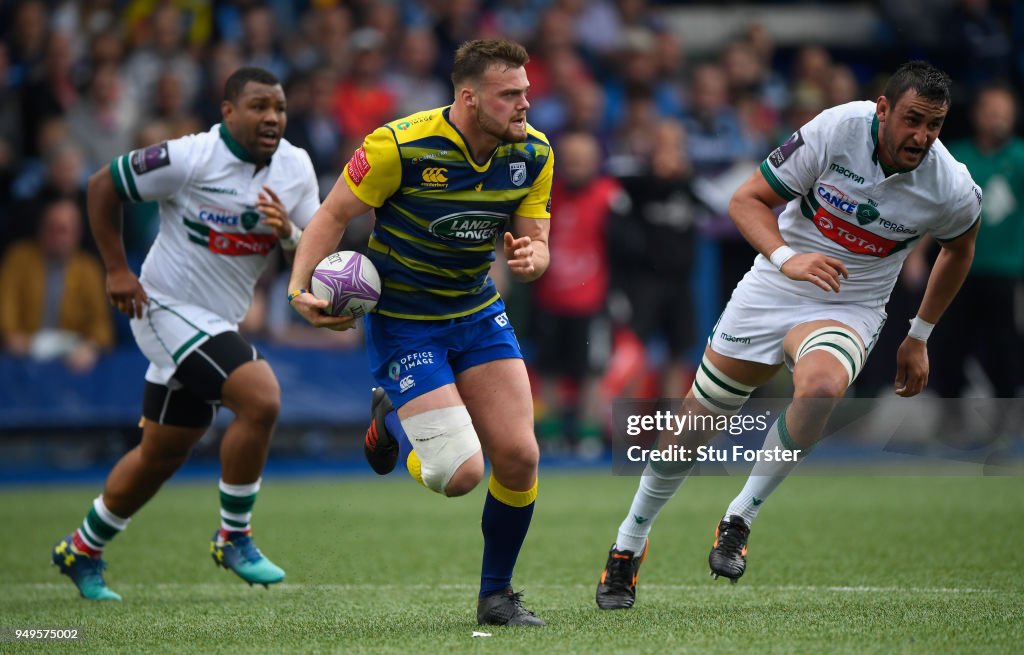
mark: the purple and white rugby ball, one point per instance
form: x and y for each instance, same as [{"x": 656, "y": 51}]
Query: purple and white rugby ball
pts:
[{"x": 347, "y": 280}]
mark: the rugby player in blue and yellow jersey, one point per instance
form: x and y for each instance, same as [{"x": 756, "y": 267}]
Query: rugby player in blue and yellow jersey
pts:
[{"x": 446, "y": 185}]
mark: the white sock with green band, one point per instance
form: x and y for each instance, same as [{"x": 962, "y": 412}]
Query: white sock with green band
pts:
[
  {"x": 657, "y": 486},
  {"x": 98, "y": 528},
  {"x": 236, "y": 503},
  {"x": 765, "y": 477}
]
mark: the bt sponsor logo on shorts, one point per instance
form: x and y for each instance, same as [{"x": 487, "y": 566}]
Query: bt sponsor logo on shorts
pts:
[
  {"x": 501, "y": 319},
  {"x": 728, "y": 337},
  {"x": 846, "y": 172}
]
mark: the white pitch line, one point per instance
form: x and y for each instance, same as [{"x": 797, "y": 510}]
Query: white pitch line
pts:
[{"x": 291, "y": 586}]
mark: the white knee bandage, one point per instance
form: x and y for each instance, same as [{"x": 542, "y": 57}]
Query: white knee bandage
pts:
[
  {"x": 443, "y": 439},
  {"x": 718, "y": 392},
  {"x": 840, "y": 342}
]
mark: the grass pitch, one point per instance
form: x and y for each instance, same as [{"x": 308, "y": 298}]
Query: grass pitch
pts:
[{"x": 868, "y": 564}]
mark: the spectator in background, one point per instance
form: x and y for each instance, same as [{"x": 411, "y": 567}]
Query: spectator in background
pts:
[
  {"x": 312, "y": 125},
  {"x": 720, "y": 152},
  {"x": 570, "y": 325},
  {"x": 52, "y": 299},
  {"x": 411, "y": 80},
  {"x": 330, "y": 30},
  {"x": 811, "y": 69},
  {"x": 160, "y": 40},
  {"x": 28, "y": 38},
  {"x": 983, "y": 51},
  {"x": 632, "y": 141},
  {"x": 172, "y": 107},
  {"x": 749, "y": 90},
  {"x": 362, "y": 100},
  {"x": 104, "y": 124},
  {"x": 567, "y": 77},
  {"x": 260, "y": 45},
  {"x": 981, "y": 320},
  {"x": 223, "y": 60},
  {"x": 50, "y": 89},
  {"x": 638, "y": 66},
  {"x": 842, "y": 87},
  {"x": 64, "y": 177},
  {"x": 11, "y": 135},
  {"x": 653, "y": 252}
]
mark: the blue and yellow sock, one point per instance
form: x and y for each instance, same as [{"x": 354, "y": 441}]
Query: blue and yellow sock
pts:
[
  {"x": 505, "y": 522},
  {"x": 394, "y": 427}
]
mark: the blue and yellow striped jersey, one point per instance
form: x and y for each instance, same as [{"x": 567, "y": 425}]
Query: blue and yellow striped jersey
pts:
[{"x": 439, "y": 212}]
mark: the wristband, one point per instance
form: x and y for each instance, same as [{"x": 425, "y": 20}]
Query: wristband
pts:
[
  {"x": 292, "y": 295},
  {"x": 781, "y": 255},
  {"x": 291, "y": 242},
  {"x": 920, "y": 329}
]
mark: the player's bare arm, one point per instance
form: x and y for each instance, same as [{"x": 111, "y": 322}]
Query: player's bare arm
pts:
[
  {"x": 104, "y": 208},
  {"x": 321, "y": 238},
  {"x": 948, "y": 274},
  {"x": 751, "y": 210},
  {"x": 527, "y": 251}
]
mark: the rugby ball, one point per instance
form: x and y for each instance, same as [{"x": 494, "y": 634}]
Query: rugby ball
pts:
[{"x": 348, "y": 281}]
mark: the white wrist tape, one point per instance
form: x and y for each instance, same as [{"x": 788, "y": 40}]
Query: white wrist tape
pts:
[
  {"x": 920, "y": 329},
  {"x": 292, "y": 241},
  {"x": 781, "y": 255}
]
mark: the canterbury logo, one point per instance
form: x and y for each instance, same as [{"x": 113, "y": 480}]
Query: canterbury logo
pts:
[{"x": 435, "y": 175}]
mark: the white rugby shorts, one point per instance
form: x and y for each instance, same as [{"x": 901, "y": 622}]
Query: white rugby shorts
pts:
[
  {"x": 759, "y": 315},
  {"x": 170, "y": 330}
]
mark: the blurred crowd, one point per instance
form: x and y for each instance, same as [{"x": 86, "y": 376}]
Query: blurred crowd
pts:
[{"x": 651, "y": 141}]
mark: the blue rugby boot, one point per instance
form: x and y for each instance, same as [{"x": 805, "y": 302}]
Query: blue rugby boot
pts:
[
  {"x": 86, "y": 572},
  {"x": 239, "y": 554}
]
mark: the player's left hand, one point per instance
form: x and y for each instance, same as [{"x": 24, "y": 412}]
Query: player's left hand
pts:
[
  {"x": 911, "y": 367},
  {"x": 519, "y": 253},
  {"x": 274, "y": 213}
]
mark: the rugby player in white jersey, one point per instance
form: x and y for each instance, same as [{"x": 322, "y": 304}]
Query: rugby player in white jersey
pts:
[
  {"x": 862, "y": 182},
  {"x": 228, "y": 198}
]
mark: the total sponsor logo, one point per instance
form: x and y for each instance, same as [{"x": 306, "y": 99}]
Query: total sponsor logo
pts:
[
  {"x": 226, "y": 243},
  {"x": 852, "y": 237}
]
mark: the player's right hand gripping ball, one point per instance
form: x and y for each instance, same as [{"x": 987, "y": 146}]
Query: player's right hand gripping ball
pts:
[{"x": 348, "y": 281}]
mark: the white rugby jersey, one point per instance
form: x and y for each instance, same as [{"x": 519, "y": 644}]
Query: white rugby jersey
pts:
[
  {"x": 212, "y": 245},
  {"x": 841, "y": 203}
]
